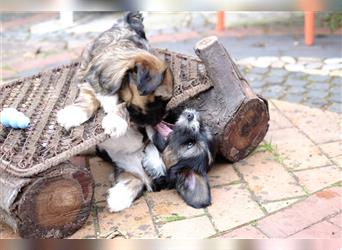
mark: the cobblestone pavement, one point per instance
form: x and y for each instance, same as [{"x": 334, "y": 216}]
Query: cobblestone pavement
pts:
[
  {"x": 254, "y": 198},
  {"x": 294, "y": 175}
]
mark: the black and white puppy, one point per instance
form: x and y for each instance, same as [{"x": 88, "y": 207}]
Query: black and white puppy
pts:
[{"x": 180, "y": 157}]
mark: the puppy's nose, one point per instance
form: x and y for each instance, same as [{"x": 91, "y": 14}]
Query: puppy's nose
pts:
[{"x": 190, "y": 116}]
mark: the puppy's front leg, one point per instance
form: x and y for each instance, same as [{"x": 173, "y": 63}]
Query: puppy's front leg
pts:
[
  {"x": 115, "y": 123},
  {"x": 81, "y": 110},
  {"x": 127, "y": 188}
]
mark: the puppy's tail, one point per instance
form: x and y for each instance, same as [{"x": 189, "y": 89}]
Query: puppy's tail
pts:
[{"x": 135, "y": 21}]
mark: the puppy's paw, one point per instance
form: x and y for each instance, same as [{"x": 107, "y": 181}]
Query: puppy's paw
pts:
[
  {"x": 114, "y": 125},
  {"x": 71, "y": 116},
  {"x": 152, "y": 162},
  {"x": 119, "y": 197}
]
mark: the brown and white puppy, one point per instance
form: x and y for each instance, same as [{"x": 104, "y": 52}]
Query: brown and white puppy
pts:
[
  {"x": 120, "y": 73},
  {"x": 119, "y": 66},
  {"x": 187, "y": 152}
]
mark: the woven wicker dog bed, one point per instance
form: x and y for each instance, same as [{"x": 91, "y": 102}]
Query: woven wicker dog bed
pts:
[{"x": 25, "y": 153}]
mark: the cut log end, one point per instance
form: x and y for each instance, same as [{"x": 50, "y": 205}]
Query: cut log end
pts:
[
  {"x": 205, "y": 42},
  {"x": 246, "y": 131},
  {"x": 56, "y": 205}
]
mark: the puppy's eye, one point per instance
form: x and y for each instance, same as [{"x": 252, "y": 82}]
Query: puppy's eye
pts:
[{"x": 190, "y": 144}]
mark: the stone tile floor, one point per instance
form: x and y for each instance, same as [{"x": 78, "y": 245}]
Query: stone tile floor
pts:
[{"x": 290, "y": 187}]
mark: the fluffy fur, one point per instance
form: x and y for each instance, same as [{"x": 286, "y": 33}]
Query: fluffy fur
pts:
[
  {"x": 120, "y": 73},
  {"x": 187, "y": 154},
  {"x": 120, "y": 64}
]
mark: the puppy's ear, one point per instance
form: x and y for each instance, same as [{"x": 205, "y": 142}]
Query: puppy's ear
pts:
[
  {"x": 193, "y": 188},
  {"x": 165, "y": 89}
]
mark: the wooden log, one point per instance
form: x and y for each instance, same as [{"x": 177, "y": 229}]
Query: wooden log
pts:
[
  {"x": 54, "y": 204},
  {"x": 238, "y": 117}
]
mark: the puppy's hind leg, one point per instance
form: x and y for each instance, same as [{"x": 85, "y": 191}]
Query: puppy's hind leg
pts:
[
  {"x": 127, "y": 188},
  {"x": 81, "y": 110}
]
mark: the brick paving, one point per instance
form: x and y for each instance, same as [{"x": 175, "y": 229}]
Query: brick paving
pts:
[{"x": 290, "y": 187}]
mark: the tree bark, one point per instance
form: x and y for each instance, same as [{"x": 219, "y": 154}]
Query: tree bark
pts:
[
  {"x": 53, "y": 204},
  {"x": 238, "y": 117}
]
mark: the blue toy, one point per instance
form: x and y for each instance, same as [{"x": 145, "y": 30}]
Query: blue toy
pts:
[{"x": 12, "y": 118}]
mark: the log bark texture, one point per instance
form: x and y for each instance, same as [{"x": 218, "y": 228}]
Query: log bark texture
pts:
[
  {"x": 238, "y": 117},
  {"x": 53, "y": 204}
]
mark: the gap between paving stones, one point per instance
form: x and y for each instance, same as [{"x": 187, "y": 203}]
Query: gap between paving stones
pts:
[
  {"x": 303, "y": 133},
  {"x": 151, "y": 215},
  {"x": 252, "y": 194},
  {"x": 277, "y": 211},
  {"x": 323, "y": 219}
]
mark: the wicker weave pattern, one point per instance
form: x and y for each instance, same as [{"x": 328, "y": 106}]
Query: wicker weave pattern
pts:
[{"x": 45, "y": 144}]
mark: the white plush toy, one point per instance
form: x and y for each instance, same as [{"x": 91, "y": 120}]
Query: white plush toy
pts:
[{"x": 12, "y": 118}]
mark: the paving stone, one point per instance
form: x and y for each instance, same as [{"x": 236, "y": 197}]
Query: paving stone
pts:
[
  {"x": 268, "y": 179},
  {"x": 293, "y": 98},
  {"x": 316, "y": 65},
  {"x": 195, "y": 228},
  {"x": 222, "y": 174},
  {"x": 337, "y": 73},
  {"x": 259, "y": 71},
  {"x": 332, "y": 149},
  {"x": 318, "y": 78},
  {"x": 232, "y": 206},
  {"x": 296, "y": 90},
  {"x": 318, "y": 178},
  {"x": 246, "y": 61},
  {"x": 288, "y": 59},
  {"x": 294, "y": 67},
  {"x": 274, "y": 91},
  {"x": 278, "y": 64},
  {"x": 333, "y": 60},
  {"x": 337, "y": 81},
  {"x": 167, "y": 204},
  {"x": 315, "y": 102},
  {"x": 321, "y": 126},
  {"x": 246, "y": 232},
  {"x": 317, "y": 93},
  {"x": 331, "y": 67},
  {"x": 273, "y": 79},
  {"x": 337, "y": 220},
  {"x": 254, "y": 77},
  {"x": 295, "y": 82},
  {"x": 337, "y": 161},
  {"x": 335, "y": 107},
  {"x": 87, "y": 231},
  {"x": 336, "y": 89},
  {"x": 296, "y": 151},
  {"x": 101, "y": 171},
  {"x": 256, "y": 84},
  {"x": 323, "y": 87},
  {"x": 318, "y": 231},
  {"x": 134, "y": 222},
  {"x": 302, "y": 214},
  {"x": 7, "y": 233},
  {"x": 297, "y": 76},
  {"x": 306, "y": 60},
  {"x": 278, "y": 72},
  {"x": 336, "y": 97},
  {"x": 277, "y": 205},
  {"x": 257, "y": 91},
  {"x": 261, "y": 64},
  {"x": 277, "y": 120}
]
